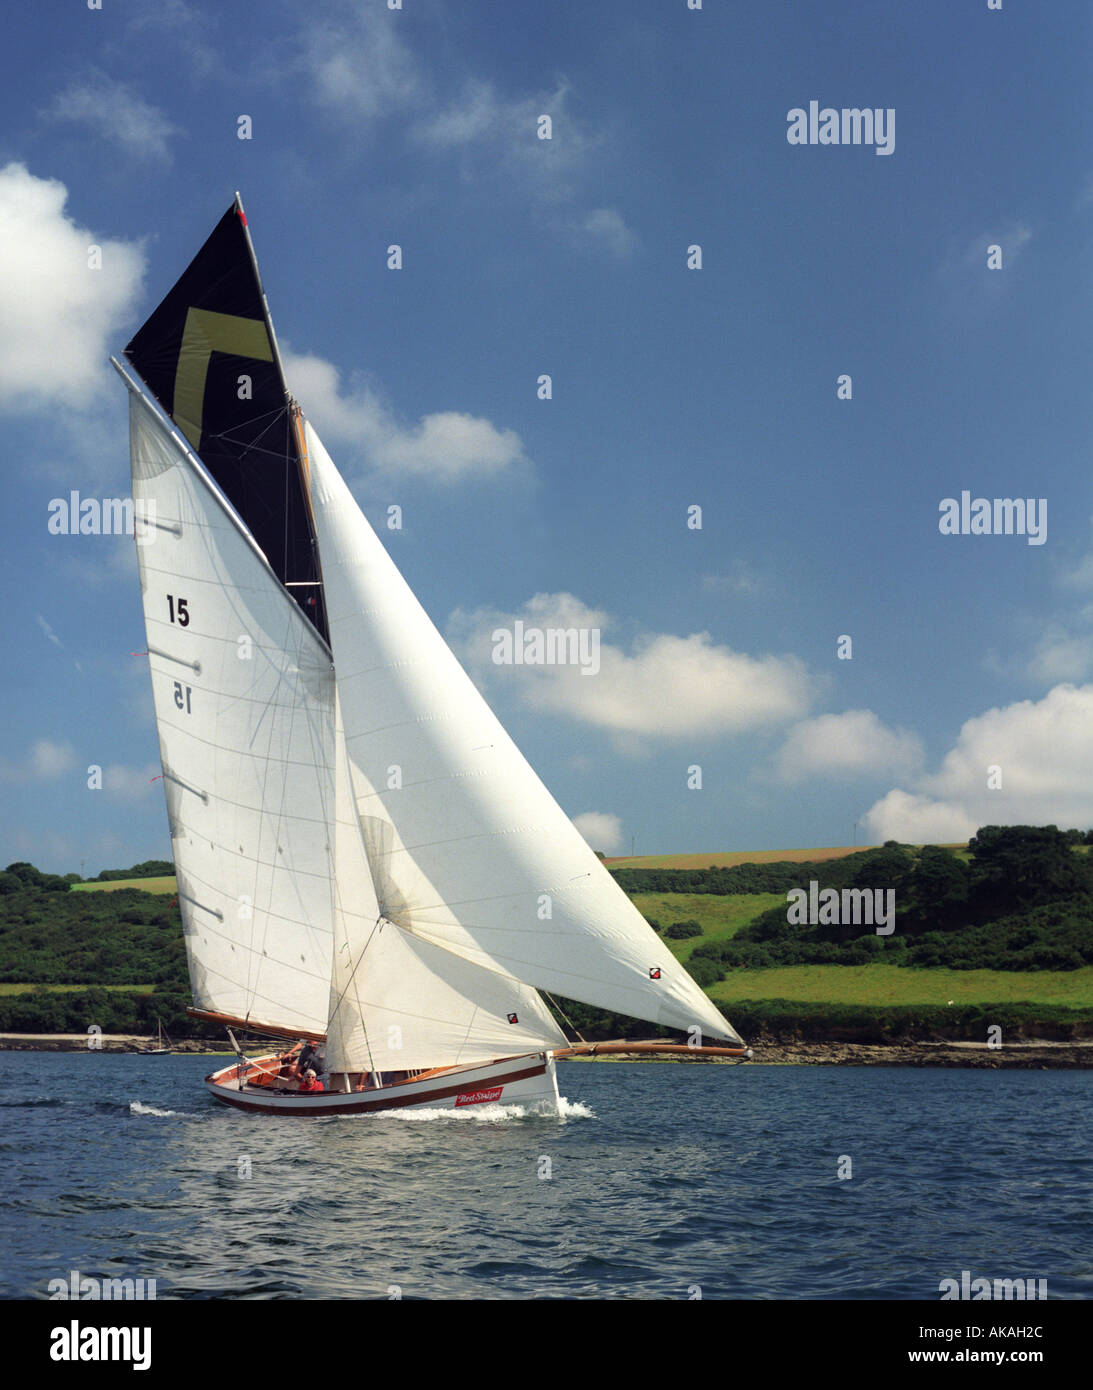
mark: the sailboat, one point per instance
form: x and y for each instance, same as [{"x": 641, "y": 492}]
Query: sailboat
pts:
[
  {"x": 163, "y": 1043},
  {"x": 369, "y": 871}
]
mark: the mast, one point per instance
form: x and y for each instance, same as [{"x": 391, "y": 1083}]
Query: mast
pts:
[{"x": 265, "y": 301}]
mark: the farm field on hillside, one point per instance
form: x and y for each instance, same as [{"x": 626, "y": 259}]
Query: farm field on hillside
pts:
[
  {"x": 719, "y": 917},
  {"x": 144, "y": 885},
  {"x": 887, "y": 984}
]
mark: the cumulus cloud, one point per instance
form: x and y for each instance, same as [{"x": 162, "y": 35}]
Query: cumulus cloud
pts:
[
  {"x": 59, "y": 315},
  {"x": 447, "y": 446},
  {"x": 115, "y": 113},
  {"x": 665, "y": 686},
  {"x": 1043, "y": 751},
  {"x": 918, "y": 820},
  {"x": 602, "y": 830},
  {"x": 853, "y": 744}
]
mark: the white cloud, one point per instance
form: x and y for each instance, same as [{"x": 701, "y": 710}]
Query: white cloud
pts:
[
  {"x": 741, "y": 580},
  {"x": 58, "y": 315},
  {"x": 497, "y": 134},
  {"x": 113, "y": 112},
  {"x": 1044, "y": 750},
  {"x": 1080, "y": 575},
  {"x": 49, "y": 631},
  {"x": 447, "y": 446},
  {"x": 918, "y": 820},
  {"x": 1060, "y": 656},
  {"x": 497, "y": 138},
  {"x": 358, "y": 64},
  {"x": 1013, "y": 237},
  {"x": 606, "y": 227},
  {"x": 853, "y": 744},
  {"x": 128, "y": 783},
  {"x": 44, "y": 762},
  {"x": 188, "y": 32},
  {"x": 665, "y": 687},
  {"x": 602, "y": 830}
]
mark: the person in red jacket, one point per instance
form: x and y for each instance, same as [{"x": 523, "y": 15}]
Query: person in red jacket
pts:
[{"x": 310, "y": 1083}]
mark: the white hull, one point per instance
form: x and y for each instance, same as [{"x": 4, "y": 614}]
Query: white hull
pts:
[{"x": 529, "y": 1081}]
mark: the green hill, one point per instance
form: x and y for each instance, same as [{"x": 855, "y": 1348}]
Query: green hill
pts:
[{"x": 1001, "y": 927}]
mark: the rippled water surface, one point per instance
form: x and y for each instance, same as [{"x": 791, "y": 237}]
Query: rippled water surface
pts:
[{"x": 661, "y": 1178}]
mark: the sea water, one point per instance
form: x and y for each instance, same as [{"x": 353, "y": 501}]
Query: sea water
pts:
[{"x": 657, "y": 1182}]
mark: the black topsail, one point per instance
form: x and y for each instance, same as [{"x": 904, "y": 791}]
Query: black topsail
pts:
[{"x": 208, "y": 356}]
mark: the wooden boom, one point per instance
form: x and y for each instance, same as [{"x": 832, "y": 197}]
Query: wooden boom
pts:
[{"x": 603, "y": 1049}]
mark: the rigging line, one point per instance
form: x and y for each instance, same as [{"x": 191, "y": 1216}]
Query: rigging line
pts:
[
  {"x": 474, "y": 1014},
  {"x": 254, "y": 446},
  {"x": 356, "y": 967},
  {"x": 563, "y": 1013},
  {"x": 271, "y": 416}
]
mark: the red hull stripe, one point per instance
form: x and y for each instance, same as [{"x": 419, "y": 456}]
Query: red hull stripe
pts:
[{"x": 362, "y": 1106}]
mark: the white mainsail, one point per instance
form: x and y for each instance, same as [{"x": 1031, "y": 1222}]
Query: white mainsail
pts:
[
  {"x": 244, "y": 699},
  {"x": 468, "y": 850}
]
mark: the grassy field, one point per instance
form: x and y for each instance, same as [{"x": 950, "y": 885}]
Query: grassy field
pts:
[
  {"x": 728, "y": 859},
  {"x": 718, "y": 917},
  {"x": 886, "y": 984},
  {"x": 146, "y": 885},
  {"x": 69, "y": 989}
]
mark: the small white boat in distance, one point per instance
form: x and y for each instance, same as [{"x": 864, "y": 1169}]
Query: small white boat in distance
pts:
[
  {"x": 364, "y": 858},
  {"x": 160, "y": 1049}
]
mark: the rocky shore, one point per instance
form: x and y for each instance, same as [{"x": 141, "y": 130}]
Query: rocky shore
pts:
[
  {"x": 99, "y": 1042},
  {"x": 1031, "y": 1054}
]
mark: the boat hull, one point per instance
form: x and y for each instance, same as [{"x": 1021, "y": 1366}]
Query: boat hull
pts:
[{"x": 528, "y": 1081}]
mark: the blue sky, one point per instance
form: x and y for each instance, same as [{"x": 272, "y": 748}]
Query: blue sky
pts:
[{"x": 671, "y": 387}]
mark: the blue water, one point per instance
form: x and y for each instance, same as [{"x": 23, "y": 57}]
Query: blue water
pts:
[{"x": 663, "y": 1179}]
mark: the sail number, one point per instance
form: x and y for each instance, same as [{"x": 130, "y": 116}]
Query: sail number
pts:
[
  {"x": 179, "y": 612},
  {"x": 182, "y": 696}
]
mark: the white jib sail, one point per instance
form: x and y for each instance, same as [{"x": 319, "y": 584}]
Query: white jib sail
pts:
[
  {"x": 244, "y": 699},
  {"x": 399, "y": 1003},
  {"x": 467, "y": 848}
]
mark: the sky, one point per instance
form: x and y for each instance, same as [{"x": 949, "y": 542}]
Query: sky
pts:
[{"x": 873, "y": 328}]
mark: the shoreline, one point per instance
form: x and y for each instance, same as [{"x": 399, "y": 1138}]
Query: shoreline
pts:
[{"x": 1036, "y": 1054}]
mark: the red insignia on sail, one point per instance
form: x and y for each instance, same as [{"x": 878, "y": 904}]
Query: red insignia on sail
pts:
[
  {"x": 513, "y": 1019},
  {"x": 654, "y": 972}
]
